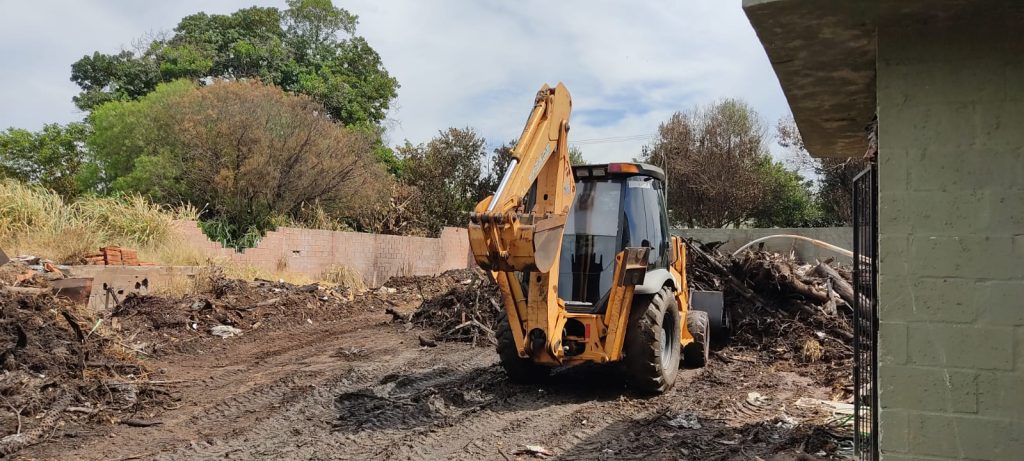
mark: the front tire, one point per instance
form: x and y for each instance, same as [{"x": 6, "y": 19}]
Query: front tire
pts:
[
  {"x": 651, "y": 346},
  {"x": 519, "y": 370}
]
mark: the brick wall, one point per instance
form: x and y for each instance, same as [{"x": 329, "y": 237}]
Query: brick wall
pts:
[
  {"x": 376, "y": 257},
  {"x": 951, "y": 221}
]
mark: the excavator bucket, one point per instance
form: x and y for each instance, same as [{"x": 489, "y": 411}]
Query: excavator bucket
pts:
[{"x": 547, "y": 242}]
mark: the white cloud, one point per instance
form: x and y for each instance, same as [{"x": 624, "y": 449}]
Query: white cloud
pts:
[{"x": 629, "y": 65}]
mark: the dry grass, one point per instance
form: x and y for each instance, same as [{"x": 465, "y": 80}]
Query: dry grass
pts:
[
  {"x": 343, "y": 276},
  {"x": 812, "y": 351},
  {"x": 246, "y": 272},
  {"x": 202, "y": 281},
  {"x": 37, "y": 221},
  {"x": 175, "y": 251}
]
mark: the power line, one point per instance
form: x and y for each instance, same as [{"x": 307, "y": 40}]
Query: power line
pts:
[{"x": 613, "y": 139}]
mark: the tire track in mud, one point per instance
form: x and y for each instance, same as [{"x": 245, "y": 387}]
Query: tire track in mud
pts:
[
  {"x": 282, "y": 369},
  {"x": 548, "y": 414},
  {"x": 341, "y": 392},
  {"x": 304, "y": 428}
]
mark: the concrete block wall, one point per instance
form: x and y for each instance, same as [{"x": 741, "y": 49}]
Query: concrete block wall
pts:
[
  {"x": 133, "y": 279},
  {"x": 804, "y": 251},
  {"x": 951, "y": 240},
  {"x": 311, "y": 252}
]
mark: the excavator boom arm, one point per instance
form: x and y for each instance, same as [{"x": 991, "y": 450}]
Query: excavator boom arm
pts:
[{"x": 504, "y": 234}]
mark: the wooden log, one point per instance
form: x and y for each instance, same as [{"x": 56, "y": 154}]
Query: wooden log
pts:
[
  {"x": 839, "y": 284},
  {"x": 732, "y": 281},
  {"x": 28, "y": 291},
  {"x": 795, "y": 285}
]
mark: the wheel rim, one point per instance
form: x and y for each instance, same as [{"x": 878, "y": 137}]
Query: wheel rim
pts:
[{"x": 670, "y": 341}]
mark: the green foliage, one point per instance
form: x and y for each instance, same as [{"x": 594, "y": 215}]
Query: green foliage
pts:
[
  {"x": 500, "y": 158},
  {"x": 54, "y": 157},
  {"x": 134, "y": 145},
  {"x": 834, "y": 176},
  {"x": 384, "y": 154},
  {"x": 720, "y": 172},
  {"x": 252, "y": 154},
  {"x": 113, "y": 77},
  {"x": 233, "y": 235},
  {"x": 447, "y": 173},
  {"x": 297, "y": 49},
  {"x": 835, "y": 189},
  {"x": 787, "y": 200},
  {"x": 576, "y": 156}
]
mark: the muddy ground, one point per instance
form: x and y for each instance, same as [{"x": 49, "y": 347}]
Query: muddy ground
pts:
[{"x": 327, "y": 374}]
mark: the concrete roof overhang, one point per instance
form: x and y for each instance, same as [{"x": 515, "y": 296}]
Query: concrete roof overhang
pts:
[
  {"x": 824, "y": 53},
  {"x": 824, "y": 56}
]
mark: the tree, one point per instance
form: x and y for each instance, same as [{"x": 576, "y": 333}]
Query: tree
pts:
[
  {"x": 576, "y": 156},
  {"x": 787, "y": 199},
  {"x": 447, "y": 173},
  {"x": 54, "y": 157},
  {"x": 710, "y": 155},
  {"x": 834, "y": 184},
  {"x": 297, "y": 49},
  {"x": 495, "y": 169},
  {"x": 248, "y": 153},
  {"x": 500, "y": 158},
  {"x": 134, "y": 141},
  {"x": 720, "y": 172}
]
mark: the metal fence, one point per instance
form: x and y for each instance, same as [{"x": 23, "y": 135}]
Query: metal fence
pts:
[{"x": 865, "y": 314}]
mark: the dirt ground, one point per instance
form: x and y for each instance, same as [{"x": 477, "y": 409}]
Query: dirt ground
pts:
[{"x": 342, "y": 379}]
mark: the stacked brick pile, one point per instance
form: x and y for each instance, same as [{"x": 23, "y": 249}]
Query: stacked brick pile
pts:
[{"x": 115, "y": 256}]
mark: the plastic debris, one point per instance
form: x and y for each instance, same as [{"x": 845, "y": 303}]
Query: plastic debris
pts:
[{"x": 225, "y": 331}]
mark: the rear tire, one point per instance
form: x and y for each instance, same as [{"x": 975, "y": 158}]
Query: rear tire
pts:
[
  {"x": 651, "y": 346},
  {"x": 519, "y": 370},
  {"x": 695, "y": 354}
]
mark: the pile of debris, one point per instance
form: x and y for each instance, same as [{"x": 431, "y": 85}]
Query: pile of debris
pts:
[
  {"x": 30, "y": 275},
  {"x": 224, "y": 307},
  {"x": 458, "y": 305},
  {"x": 785, "y": 310},
  {"x": 115, "y": 256},
  {"x": 60, "y": 365}
]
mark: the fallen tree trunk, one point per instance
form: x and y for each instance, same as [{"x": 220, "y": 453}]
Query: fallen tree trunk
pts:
[
  {"x": 839, "y": 284},
  {"x": 735, "y": 283},
  {"x": 786, "y": 275},
  {"x": 27, "y": 291}
]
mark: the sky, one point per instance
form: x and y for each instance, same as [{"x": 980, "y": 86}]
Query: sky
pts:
[{"x": 476, "y": 63}]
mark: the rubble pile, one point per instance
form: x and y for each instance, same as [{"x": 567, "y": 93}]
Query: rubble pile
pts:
[
  {"x": 225, "y": 307},
  {"x": 59, "y": 365},
  {"x": 785, "y": 310},
  {"x": 466, "y": 311}
]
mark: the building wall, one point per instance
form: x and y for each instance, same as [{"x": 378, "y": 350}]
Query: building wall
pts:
[
  {"x": 376, "y": 257},
  {"x": 804, "y": 251},
  {"x": 951, "y": 223}
]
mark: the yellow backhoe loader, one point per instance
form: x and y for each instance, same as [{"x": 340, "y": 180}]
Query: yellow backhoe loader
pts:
[{"x": 585, "y": 262}]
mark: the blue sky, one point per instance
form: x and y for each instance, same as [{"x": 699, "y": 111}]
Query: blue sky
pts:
[{"x": 628, "y": 65}]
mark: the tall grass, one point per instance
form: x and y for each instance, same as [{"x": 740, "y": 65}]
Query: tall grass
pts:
[{"x": 37, "y": 221}]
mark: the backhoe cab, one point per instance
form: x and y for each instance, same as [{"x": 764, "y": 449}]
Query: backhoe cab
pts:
[{"x": 585, "y": 262}]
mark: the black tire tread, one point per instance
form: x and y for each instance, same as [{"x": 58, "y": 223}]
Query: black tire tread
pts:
[
  {"x": 642, "y": 348},
  {"x": 695, "y": 354},
  {"x": 519, "y": 370}
]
